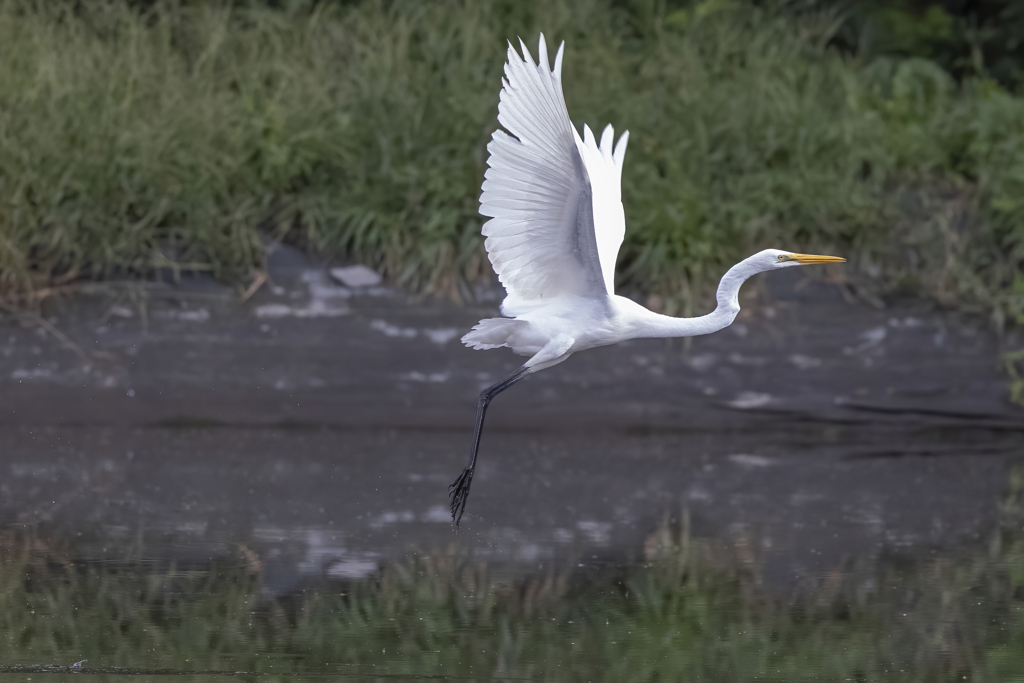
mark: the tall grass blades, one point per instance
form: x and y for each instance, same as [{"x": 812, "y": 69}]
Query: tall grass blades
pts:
[
  {"x": 697, "y": 609},
  {"x": 185, "y": 136}
]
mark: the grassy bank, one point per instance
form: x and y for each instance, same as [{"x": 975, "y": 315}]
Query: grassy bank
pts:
[
  {"x": 698, "y": 610},
  {"x": 186, "y": 137}
]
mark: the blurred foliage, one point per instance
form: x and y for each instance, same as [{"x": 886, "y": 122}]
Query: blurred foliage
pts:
[
  {"x": 689, "y": 609},
  {"x": 184, "y": 135},
  {"x": 980, "y": 38},
  {"x": 1014, "y": 363}
]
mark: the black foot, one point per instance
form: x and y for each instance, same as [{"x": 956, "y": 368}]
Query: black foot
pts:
[{"x": 459, "y": 492}]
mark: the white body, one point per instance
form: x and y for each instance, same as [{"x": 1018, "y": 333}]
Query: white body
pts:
[
  {"x": 556, "y": 224},
  {"x": 555, "y": 227}
]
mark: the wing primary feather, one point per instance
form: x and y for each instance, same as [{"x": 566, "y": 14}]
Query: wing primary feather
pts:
[
  {"x": 527, "y": 57},
  {"x": 558, "y": 61},
  {"x": 620, "y": 150},
  {"x": 607, "y": 138},
  {"x": 588, "y": 136},
  {"x": 542, "y": 54}
]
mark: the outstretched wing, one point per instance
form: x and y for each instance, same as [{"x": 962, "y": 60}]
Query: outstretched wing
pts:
[{"x": 553, "y": 199}]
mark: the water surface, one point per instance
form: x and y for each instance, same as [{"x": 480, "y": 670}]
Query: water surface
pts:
[{"x": 810, "y": 553}]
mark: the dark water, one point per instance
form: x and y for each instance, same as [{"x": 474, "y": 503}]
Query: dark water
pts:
[
  {"x": 822, "y": 492},
  {"x": 810, "y": 553}
]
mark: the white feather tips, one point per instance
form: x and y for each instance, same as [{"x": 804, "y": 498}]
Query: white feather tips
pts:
[
  {"x": 606, "y": 152},
  {"x": 527, "y": 57},
  {"x": 606, "y": 142},
  {"x": 542, "y": 54},
  {"x": 543, "y": 65},
  {"x": 620, "y": 150}
]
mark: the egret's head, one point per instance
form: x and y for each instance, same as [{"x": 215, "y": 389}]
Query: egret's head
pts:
[{"x": 770, "y": 259}]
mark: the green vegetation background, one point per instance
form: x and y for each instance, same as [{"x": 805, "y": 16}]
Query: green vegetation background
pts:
[{"x": 185, "y": 135}]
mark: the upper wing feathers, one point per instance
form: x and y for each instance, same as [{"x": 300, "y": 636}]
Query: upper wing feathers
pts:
[{"x": 544, "y": 188}]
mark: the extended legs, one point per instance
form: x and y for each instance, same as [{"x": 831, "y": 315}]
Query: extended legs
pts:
[{"x": 459, "y": 490}]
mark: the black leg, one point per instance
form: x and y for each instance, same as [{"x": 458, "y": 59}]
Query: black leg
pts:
[{"x": 459, "y": 490}]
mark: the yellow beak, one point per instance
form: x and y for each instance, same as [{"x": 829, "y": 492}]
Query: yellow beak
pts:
[{"x": 808, "y": 259}]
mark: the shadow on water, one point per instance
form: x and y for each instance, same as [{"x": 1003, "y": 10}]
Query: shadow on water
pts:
[
  {"x": 812, "y": 552},
  {"x": 682, "y": 608}
]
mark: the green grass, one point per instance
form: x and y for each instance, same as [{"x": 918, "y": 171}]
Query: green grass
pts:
[
  {"x": 695, "y": 611},
  {"x": 187, "y": 136}
]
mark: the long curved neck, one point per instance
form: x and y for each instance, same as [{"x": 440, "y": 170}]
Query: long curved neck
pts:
[{"x": 656, "y": 325}]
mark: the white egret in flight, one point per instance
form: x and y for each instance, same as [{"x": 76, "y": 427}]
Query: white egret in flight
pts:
[{"x": 555, "y": 227}]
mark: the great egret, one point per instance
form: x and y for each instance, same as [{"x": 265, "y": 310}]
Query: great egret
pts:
[{"x": 555, "y": 227}]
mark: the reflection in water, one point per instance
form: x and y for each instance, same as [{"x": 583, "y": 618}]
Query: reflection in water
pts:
[{"x": 692, "y": 609}]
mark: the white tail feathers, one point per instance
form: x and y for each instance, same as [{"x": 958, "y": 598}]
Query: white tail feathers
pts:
[{"x": 491, "y": 333}]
